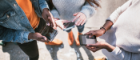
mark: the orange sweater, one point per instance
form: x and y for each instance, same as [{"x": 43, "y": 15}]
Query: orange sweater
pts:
[{"x": 26, "y": 6}]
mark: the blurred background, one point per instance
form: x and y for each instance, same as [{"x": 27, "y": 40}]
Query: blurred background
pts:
[{"x": 65, "y": 52}]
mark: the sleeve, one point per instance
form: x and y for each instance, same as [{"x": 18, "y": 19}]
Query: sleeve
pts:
[
  {"x": 55, "y": 13},
  {"x": 43, "y": 4},
  {"x": 113, "y": 17},
  {"x": 9, "y": 35},
  {"x": 88, "y": 10},
  {"x": 122, "y": 54}
]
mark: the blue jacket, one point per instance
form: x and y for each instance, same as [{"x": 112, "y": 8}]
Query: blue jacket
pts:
[{"x": 14, "y": 25}]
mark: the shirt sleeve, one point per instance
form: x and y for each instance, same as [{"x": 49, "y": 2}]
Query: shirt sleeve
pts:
[
  {"x": 123, "y": 55},
  {"x": 113, "y": 17},
  {"x": 43, "y": 4},
  {"x": 9, "y": 35},
  {"x": 55, "y": 13},
  {"x": 88, "y": 10}
]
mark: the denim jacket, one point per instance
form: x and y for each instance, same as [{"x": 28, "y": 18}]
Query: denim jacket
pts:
[{"x": 14, "y": 25}]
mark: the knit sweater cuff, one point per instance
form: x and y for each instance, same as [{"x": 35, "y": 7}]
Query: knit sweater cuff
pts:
[
  {"x": 55, "y": 14},
  {"x": 116, "y": 51},
  {"x": 87, "y": 11}
]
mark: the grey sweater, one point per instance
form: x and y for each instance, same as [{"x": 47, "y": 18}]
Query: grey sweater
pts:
[{"x": 64, "y": 9}]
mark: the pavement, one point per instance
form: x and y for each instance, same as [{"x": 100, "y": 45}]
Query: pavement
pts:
[{"x": 65, "y": 52}]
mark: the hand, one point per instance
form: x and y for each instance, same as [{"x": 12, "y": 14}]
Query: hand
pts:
[
  {"x": 47, "y": 16},
  {"x": 100, "y": 45},
  {"x": 96, "y": 33},
  {"x": 81, "y": 18},
  {"x": 97, "y": 46},
  {"x": 60, "y": 23},
  {"x": 37, "y": 36}
]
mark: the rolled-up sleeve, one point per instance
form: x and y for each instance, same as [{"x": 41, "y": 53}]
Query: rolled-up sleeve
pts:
[
  {"x": 43, "y": 4},
  {"x": 114, "y": 16},
  {"x": 121, "y": 54},
  {"x": 10, "y": 35}
]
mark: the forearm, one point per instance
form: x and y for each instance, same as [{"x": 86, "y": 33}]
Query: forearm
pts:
[
  {"x": 107, "y": 25},
  {"x": 109, "y": 47}
]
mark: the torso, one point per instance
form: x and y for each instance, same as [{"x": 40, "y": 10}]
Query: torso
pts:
[{"x": 67, "y": 8}]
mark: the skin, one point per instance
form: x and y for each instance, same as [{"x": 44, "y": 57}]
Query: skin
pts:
[
  {"x": 100, "y": 44},
  {"x": 47, "y": 16},
  {"x": 80, "y": 18}
]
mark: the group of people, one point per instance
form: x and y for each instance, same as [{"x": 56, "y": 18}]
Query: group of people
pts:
[{"x": 21, "y": 19}]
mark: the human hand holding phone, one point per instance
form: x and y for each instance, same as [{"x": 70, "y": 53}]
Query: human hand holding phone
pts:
[
  {"x": 86, "y": 40},
  {"x": 37, "y": 36}
]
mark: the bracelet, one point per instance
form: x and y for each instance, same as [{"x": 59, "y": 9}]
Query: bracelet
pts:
[{"x": 104, "y": 29}]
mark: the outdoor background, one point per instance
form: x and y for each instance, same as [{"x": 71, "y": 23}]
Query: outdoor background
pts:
[{"x": 66, "y": 52}]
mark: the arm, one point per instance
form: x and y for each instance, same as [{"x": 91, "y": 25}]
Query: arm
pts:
[
  {"x": 9, "y": 35},
  {"x": 110, "y": 20},
  {"x": 101, "y": 31},
  {"x": 115, "y": 51},
  {"x": 113, "y": 17},
  {"x": 46, "y": 14},
  {"x": 19, "y": 36},
  {"x": 88, "y": 10}
]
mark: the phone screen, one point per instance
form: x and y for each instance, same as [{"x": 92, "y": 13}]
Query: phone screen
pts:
[
  {"x": 85, "y": 40},
  {"x": 50, "y": 33},
  {"x": 68, "y": 26}
]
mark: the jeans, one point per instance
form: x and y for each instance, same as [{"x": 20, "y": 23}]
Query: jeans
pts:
[{"x": 31, "y": 49}]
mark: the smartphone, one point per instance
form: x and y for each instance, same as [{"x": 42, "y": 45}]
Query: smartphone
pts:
[
  {"x": 68, "y": 26},
  {"x": 50, "y": 33},
  {"x": 85, "y": 40}
]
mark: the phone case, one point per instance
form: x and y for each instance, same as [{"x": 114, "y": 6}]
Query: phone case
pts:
[
  {"x": 84, "y": 40},
  {"x": 69, "y": 26},
  {"x": 50, "y": 33}
]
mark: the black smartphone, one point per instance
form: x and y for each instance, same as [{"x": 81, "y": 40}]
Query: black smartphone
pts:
[
  {"x": 50, "y": 33},
  {"x": 68, "y": 26},
  {"x": 85, "y": 40}
]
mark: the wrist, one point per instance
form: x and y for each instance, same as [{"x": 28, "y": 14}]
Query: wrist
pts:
[
  {"x": 30, "y": 36},
  {"x": 109, "y": 47},
  {"x": 46, "y": 9},
  {"x": 103, "y": 30}
]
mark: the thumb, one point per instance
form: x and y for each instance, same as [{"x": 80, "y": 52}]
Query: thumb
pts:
[
  {"x": 88, "y": 33},
  {"x": 93, "y": 45},
  {"x": 75, "y": 14}
]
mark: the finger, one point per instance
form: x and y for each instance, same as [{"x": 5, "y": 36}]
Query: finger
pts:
[
  {"x": 93, "y": 33},
  {"x": 93, "y": 45},
  {"x": 88, "y": 33},
  {"x": 50, "y": 21},
  {"x": 77, "y": 16},
  {"x": 65, "y": 21},
  {"x": 87, "y": 47},
  {"x": 43, "y": 39},
  {"x": 83, "y": 22},
  {"x": 79, "y": 21},
  {"x": 60, "y": 24}
]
